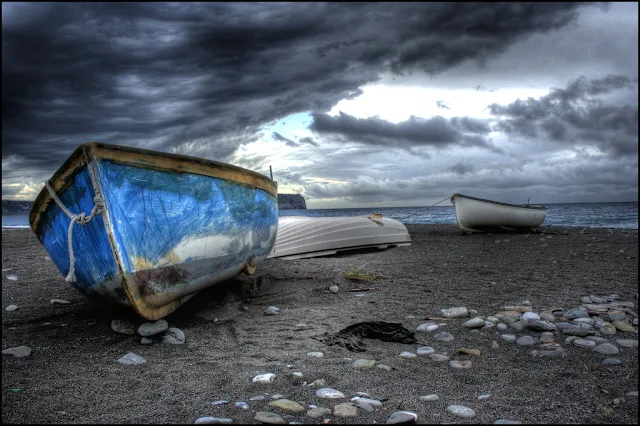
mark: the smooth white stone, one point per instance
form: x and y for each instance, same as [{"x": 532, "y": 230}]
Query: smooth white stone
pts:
[
  {"x": 18, "y": 351},
  {"x": 315, "y": 354},
  {"x": 329, "y": 393},
  {"x": 59, "y": 302},
  {"x": 425, "y": 350},
  {"x": 431, "y": 397},
  {"x": 11, "y": 278},
  {"x": 457, "y": 312},
  {"x": 373, "y": 402},
  {"x": 402, "y": 417},
  {"x": 131, "y": 359},
  {"x": 407, "y": 355},
  {"x": 474, "y": 323},
  {"x": 264, "y": 378},
  {"x": 427, "y": 327},
  {"x": 11, "y": 308},
  {"x": 530, "y": 315},
  {"x": 461, "y": 411},
  {"x": 174, "y": 336},
  {"x": 584, "y": 343}
]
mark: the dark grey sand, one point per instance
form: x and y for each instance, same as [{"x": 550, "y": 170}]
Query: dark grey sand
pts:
[{"x": 73, "y": 375}]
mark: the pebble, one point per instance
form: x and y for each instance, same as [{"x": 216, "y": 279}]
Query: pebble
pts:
[
  {"x": 589, "y": 321},
  {"x": 627, "y": 343},
  {"x": 315, "y": 354},
  {"x": 152, "y": 328},
  {"x": 298, "y": 374},
  {"x": 272, "y": 310},
  {"x": 611, "y": 361},
  {"x": 219, "y": 402},
  {"x": 531, "y": 315},
  {"x": 559, "y": 352},
  {"x": 431, "y": 397},
  {"x": 501, "y": 326},
  {"x": 329, "y": 393},
  {"x": 547, "y": 337},
  {"x": 597, "y": 339},
  {"x": 11, "y": 278},
  {"x": 257, "y": 398},
  {"x": 334, "y": 289},
  {"x": 623, "y": 326},
  {"x": 469, "y": 351},
  {"x": 443, "y": 336},
  {"x": 474, "y": 323},
  {"x": 383, "y": 367},
  {"x": 270, "y": 418},
  {"x": 425, "y": 350},
  {"x": 616, "y": 315},
  {"x": 373, "y": 402},
  {"x": 314, "y": 413},
  {"x": 510, "y": 319},
  {"x": 123, "y": 327},
  {"x": 287, "y": 405},
  {"x": 518, "y": 325},
  {"x": 457, "y": 312},
  {"x": 547, "y": 316},
  {"x": 438, "y": 357},
  {"x": 484, "y": 396},
  {"x": 242, "y": 404},
  {"x": 492, "y": 319},
  {"x": 461, "y": 411},
  {"x": 427, "y": 327},
  {"x": 131, "y": 359},
  {"x": 460, "y": 364},
  {"x": 264, "y": 378},
  {"x": 406, "y": 355},
  {"x": 11, "y": 308},
  {"x": 526, "y": 341},
  {"x": 608, "y": 329},
  {"x": 508, "y": 337},
  {"x": 606, "y": 349},
  {"x": 59, "y": 302},
  {"x": 173, "y": 336},
  {"x": 584, "y": 343},
  {"x": 575, "y": 313},
  {"x": 539, "y": 325},
  {"x": 402, "y": 417},
  {"x": 495, "y": 345},
  {"x": 213, "y": 420},
  {"x": 345, "y": 409},
  {"x": 365, "y": 406},
  {"x": 146, "y": 341},
  {"x": 18, "y": 351},
  {"x": 364, "y": 363}
]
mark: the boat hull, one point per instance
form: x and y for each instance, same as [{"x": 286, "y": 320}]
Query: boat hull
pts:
[
  {"x": 476, "y": 214},
  {"x": 170, "y": 227},
  {"x": 303, "y": 237}
]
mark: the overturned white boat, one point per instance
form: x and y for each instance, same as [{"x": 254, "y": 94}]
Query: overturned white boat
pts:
[
  {"x": 476, "y": 214},
  {"x": 301, "y": 237}
]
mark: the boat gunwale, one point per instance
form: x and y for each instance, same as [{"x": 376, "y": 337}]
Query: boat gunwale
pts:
[
  {"x": 137, "y": 157},
  {"x": 525, "y": 206}
]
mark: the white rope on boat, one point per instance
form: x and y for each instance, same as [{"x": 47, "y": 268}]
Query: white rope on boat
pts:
[{"x": 82, "y": 219}]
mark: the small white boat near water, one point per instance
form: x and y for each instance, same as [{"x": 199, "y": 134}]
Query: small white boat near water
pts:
[
  {"x": 301, "y": 237},
  {"x": 477, "y": 214}
]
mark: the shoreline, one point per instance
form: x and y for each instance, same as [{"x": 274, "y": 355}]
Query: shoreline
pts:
[{"x": 72, "y": 375}]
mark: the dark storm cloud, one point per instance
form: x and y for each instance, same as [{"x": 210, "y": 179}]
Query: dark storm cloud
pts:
[
  {"x": 201, "y": 78},
  {"x": 462, "y": 168},
  {"x": 577, "y": 114},
  {"x": 277, "y": 136},
  {"x": 436, "y": 131}
]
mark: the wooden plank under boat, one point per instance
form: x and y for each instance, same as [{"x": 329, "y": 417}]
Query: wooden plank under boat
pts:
[
  {"x": 476, "y": 214},
  {"x": 301, "y": 237},
  {"x": 164, "y": 226}
]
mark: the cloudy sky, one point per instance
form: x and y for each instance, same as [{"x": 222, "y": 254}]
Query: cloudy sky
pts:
[{"x": 352, "y": 104}]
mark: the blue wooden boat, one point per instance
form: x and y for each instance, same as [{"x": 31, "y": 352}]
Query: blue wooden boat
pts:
[{"x": 151, "y": 229}]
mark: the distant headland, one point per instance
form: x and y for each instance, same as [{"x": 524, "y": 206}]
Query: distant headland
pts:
[{"x": 285, "y": 202}]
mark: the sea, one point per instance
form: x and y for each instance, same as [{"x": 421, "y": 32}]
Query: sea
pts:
[{"x": 589, "y": 215}]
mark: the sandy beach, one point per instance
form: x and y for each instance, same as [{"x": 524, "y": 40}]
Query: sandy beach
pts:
[{"x": 72, "y": 374}]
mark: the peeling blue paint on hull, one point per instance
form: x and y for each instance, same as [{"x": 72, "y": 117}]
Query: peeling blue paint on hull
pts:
[{"x": 165, "y": 233}]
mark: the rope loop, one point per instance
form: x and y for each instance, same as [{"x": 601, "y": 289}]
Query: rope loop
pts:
[{"x": 80, "y": 218}]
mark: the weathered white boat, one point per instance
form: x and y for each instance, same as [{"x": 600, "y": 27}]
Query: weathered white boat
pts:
[
  {"x": 161, "y": 226},
  {"x": 477, "y": 214},
  {"x": 302, "y": 237}
]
